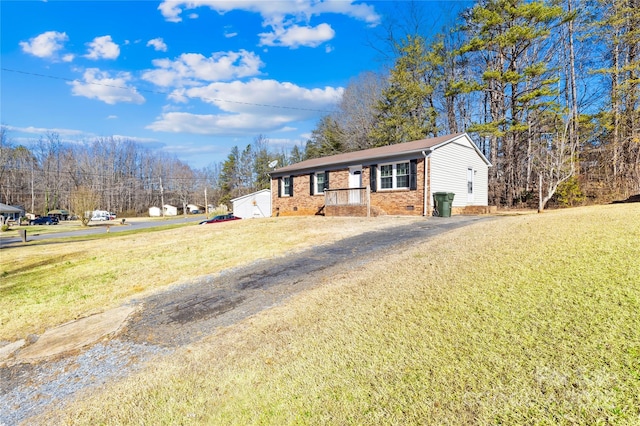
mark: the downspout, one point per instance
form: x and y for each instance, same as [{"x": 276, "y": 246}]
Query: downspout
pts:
[
  {"x": 426, "y": 189},
  {"x": 270, "y": 195}
]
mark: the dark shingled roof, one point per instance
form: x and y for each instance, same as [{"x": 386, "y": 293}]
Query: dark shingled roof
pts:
[{"x": 368, "y": 154}]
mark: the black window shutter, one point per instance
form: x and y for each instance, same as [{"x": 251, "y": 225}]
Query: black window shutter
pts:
[
  {"x": 311, "y": 191},
  {"x": 279, "y": 187},
  {"x": 413, "y": 174},
  {"x": 291, "y": 186},
  {"x": 372, "y": 177},
  {"x": 326, "y": 179}
]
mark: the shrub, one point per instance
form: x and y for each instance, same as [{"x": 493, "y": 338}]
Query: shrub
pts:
[{"x": 569, "y": 192}]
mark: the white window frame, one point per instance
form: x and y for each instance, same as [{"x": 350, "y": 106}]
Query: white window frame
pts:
[
  {"x": 394, "y": 176},
  {"x": 315, "y": 182},
  {"x": 284, "y": 192}
]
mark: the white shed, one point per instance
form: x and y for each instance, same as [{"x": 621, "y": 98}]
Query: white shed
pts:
[
  {"x": 257, "y": 204},
  {"x": 155, "y": 211},
  {"x": 170, "y": 210}
]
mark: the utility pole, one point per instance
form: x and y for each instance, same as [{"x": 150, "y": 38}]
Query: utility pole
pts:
[
  {"x": 161, "y": 197},
  {"x": 206, "y": 203}
]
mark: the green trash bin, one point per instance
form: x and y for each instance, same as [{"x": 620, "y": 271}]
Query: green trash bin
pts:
[{"x": 442, "y": 202}]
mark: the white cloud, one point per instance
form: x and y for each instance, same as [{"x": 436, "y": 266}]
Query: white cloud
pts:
[
  {"x": 296, "y": 36},
  {"x": 216, "y": 124},
  {"x": 112, "y": 117},
  {"x": 300, "y": 9},
  {"x": 111, "y": 90},
  {"x": 42, "y": 130},
  {"x": 158, "y": 44},
  {"x": 255, "y": 106},
  {"x": 267, "y": 97},
  {"x": 103, "y": 48},
  {"x": 191, "y": 68},
  {"x": 282, "y": 17},
  {"x": 45, "y": 45}
]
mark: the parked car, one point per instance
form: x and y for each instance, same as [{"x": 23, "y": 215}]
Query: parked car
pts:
[
  {"x": 220, "y": 218},
  {"x": 44, "y": 220},
  {"x": 102, "y": 215}
]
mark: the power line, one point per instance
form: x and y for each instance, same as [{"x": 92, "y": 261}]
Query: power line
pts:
[
  {"x": 120, "y": 177},
  {"x": 159, "y": 92}
]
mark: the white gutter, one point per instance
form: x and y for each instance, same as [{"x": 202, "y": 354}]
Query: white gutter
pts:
[{"x": 424, "y": 207}]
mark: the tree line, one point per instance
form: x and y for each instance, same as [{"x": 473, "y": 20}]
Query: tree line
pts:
[
  {"x": 549, "y": 90},
  {"x": 119, "y": 175}
]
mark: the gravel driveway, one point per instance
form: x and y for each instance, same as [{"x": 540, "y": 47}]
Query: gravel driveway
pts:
[{"x": 188, "y": 312}]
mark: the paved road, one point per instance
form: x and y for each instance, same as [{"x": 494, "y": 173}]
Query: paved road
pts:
[
  {"x": 192, "y": 311},
  {"x": 114, "y": 226}
]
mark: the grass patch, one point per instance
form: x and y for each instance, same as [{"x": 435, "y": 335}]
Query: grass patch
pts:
[
  {"x": 526, "y": 320},
  {"x": 50, "y": 282}
]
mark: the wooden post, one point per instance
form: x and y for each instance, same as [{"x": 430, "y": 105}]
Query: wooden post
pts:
[{"x": 368, "y": 201}]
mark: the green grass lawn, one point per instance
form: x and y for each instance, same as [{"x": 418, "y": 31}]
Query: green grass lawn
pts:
[
  {"x": 49, "y": 282},
  {"x": 529, "y": 320}
]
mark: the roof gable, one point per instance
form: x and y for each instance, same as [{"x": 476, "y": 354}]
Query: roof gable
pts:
[{"x": 375, "y": 154}]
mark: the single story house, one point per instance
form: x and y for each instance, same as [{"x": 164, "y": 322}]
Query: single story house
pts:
[
  {"x": 256, "y": 204},
  {"x": 168, "y": 209},
  {"x": 195, "y": 208},
  {"x": 61, "y": 214},
  {"x": 11, "y": 212},
  {"x": 395, "y": 179}
]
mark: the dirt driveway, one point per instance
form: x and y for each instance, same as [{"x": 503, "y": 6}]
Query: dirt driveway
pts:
[{"x": 39, "y": 376}]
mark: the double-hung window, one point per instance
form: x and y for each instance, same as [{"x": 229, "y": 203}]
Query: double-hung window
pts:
[
  {"x": 394, "y": 176},
  {"x": 386, "y": 176},
  {"x": 402, "y": 175},
  {"x": 320, "y": 182},
  {"x": 286, "y": 186}
]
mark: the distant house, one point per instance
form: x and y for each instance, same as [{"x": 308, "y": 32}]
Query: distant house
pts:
[
  {"x": 10, "y": 212},
  {"x": 256, "y": 204},
  {"x": 61, "y": 214},
  {"x": 195, "y": 208},
  {"x": 155, "y": 212},
  {"x": 395, "y": 179},
  {"x": 170, "y": 210}
]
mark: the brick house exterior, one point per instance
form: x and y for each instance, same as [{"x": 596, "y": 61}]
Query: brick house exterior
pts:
[{"x": 395, "y": 180}]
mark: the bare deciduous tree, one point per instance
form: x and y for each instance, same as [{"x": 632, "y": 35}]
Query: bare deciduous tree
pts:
[{"x": 84, "y": 201}]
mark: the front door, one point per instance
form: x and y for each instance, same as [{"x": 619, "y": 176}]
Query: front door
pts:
[{"x": 355, "y": 181}]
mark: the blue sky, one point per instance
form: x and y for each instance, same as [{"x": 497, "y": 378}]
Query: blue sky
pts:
[{"x": 190, "y": 78}]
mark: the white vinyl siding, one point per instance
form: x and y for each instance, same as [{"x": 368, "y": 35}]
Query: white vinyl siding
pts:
[
  {"x": 257, "y": 204},
  {"x": 449, "y": 167}
]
